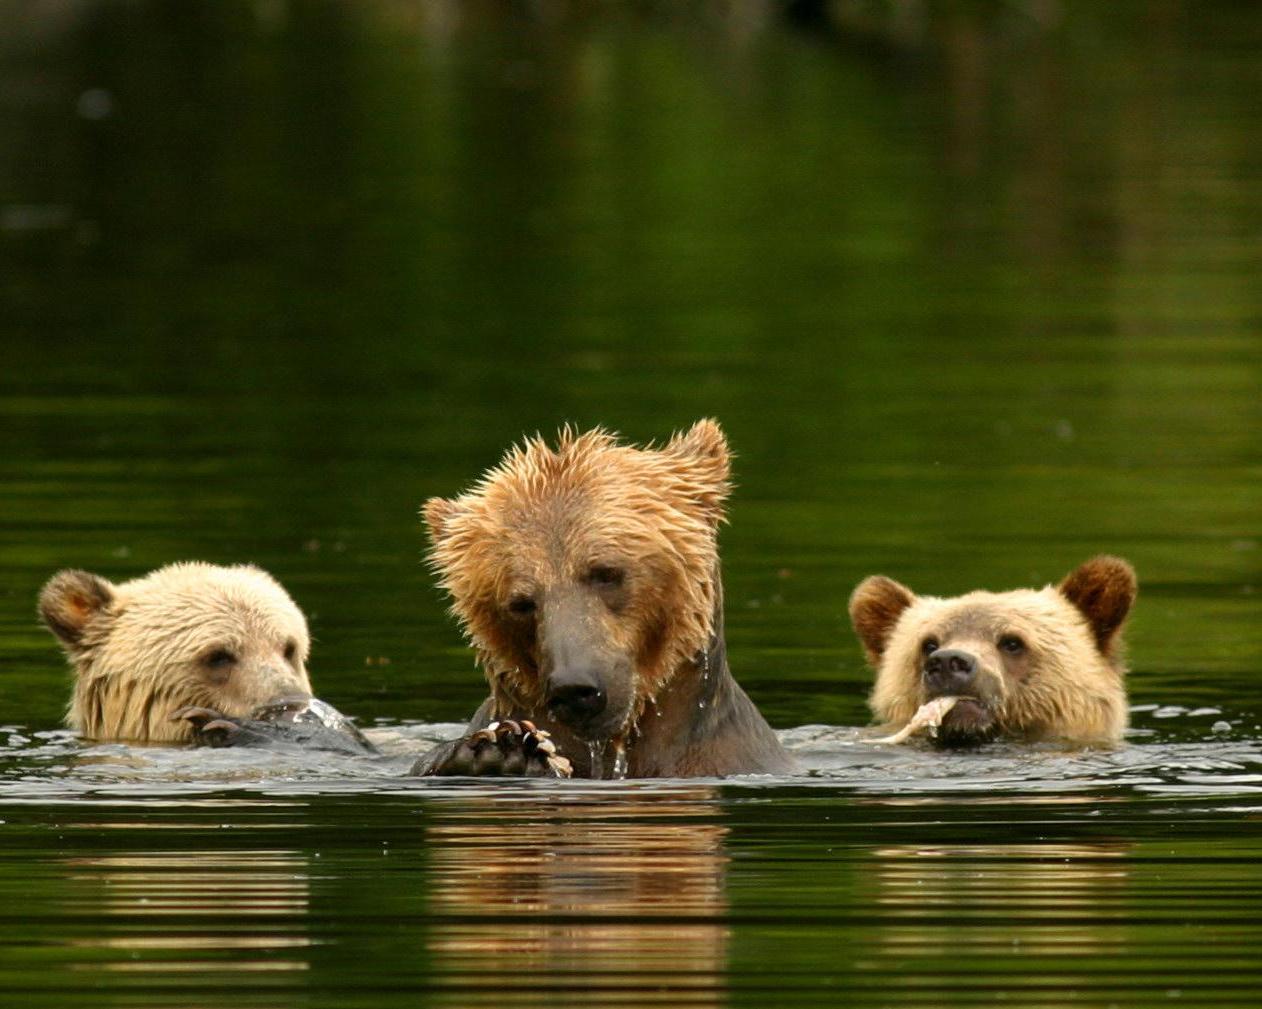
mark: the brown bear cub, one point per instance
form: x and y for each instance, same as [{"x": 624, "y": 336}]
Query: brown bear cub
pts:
[
  {"x": 586, "y": 578},
  {"x": 1029, "y": 664},
  {"x": 183, "y": 654}
]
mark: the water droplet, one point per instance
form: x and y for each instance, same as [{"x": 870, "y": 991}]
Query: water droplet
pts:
[
  {"x": 619, "y": 761},
  {"x": 596, "y": 754}
]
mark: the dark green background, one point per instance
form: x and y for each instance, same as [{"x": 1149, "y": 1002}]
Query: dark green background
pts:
[{"x": 974, "y": 288}]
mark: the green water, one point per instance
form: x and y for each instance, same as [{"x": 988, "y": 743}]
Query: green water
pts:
[{"x": 975, "y": 296}]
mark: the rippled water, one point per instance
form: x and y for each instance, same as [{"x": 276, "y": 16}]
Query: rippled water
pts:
[
  {"x": 882, "y": 875},
  {"x": 974, "y": 290},
  {"x": 1169, "y": 751}
]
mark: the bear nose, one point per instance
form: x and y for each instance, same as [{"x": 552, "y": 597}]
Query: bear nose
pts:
[
  {"x": 949, "y": 671},
  {"x": 281, "y": 684},
  {"x": 575, "y": 700}
]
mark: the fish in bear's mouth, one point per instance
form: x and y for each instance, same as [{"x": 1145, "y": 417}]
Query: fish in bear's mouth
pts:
[
  {"x": 950, "y": 720},
  {"x": 967, "y": 722}
]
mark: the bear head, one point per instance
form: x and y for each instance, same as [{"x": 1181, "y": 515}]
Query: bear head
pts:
[
  {"x": 191, "y": 634},
  {"x": 587, "y": 574},
  {"x": 1030, "y": 664}
]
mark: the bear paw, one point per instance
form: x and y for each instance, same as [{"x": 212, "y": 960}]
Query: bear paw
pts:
[
  {"x": 214, "y": 728},
  {"x": 503, "y": 749}
]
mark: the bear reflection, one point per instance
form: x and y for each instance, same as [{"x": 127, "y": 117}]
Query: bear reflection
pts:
[
  {"x": 953, "y": 900},
  {"x": 587, "y": 893},
  {"x": 237, "y": 911}
]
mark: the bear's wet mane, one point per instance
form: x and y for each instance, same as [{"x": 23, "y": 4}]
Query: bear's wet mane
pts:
[{"x": 662, "y": 502}]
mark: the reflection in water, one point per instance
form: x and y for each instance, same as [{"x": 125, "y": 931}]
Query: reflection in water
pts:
[
  {"x": 951, "y": 900},
  {"x": 582, "y": 897},
  {"x": 195, "y": 910}
]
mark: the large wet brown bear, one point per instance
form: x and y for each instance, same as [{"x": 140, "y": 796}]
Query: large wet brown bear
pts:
[
  {"x": 1028, "y": 664},
  {"x": 586, "y": 577},
  {"x": 187, "y": 635}
]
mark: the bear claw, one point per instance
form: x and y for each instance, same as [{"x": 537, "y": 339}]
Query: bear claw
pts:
[
  {"x": 194, "y": 714},
  {"x": 504, "y": 748}
]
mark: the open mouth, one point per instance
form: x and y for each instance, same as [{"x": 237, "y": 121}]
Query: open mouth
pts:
[{"x": 969, "y": 722}]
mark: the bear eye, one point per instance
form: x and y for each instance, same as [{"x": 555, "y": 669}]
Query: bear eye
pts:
[
  {"x": 521, "y": 606},
  {"x": 605, "y": 576},
  {"x": 291, "y": 649},
  {"x": 1011, "y": 644},
  {"x": 220, "y": 659},
  {"x": 928, "y": 646}
]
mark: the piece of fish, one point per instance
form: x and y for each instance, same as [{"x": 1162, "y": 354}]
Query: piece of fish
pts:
[{"x": 928, "y": 716}]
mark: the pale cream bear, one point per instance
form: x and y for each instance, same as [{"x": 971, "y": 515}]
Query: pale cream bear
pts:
[
  {"x": 187, "y": 635},
  {"x": 1029, "y": 664}
]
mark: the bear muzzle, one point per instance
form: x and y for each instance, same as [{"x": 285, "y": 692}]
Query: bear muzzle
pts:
[
  {"x": 950, "y": 672},
  {"x": 576, "y": 698},
  {"x": 586, "y": 676},
  {"x": 587, "y": 700},
  {"x": 954, "y": 672},
  {"x": 275, "y": 686}
]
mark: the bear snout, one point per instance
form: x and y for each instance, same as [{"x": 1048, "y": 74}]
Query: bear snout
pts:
[
  {"x": 276, "y": 686},
  {"x": 592, "y": 699},
  {"x": 576, "y": 700},
  {"x": 956, "y": 672},
  {"x": 950, "y": 672}
]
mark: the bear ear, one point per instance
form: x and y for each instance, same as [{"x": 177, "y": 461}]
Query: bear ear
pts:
[
  {"x": 437, "y": 512},
  {"x": 705, "y": 442},
  {"x": 703, "y": 449},
  {"x": 875, "y": 606},
  {"x": 1103, "y": 590},
  {"x": 71, "y": 601}
]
